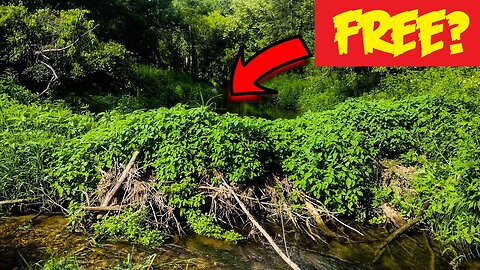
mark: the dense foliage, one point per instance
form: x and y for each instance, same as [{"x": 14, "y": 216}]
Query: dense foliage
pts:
[
  {"x": 49, "y": 47},
  {"x": 318, "y": 89},
  {"x": 332, "y": 156},
  {"x": 128, "y": 225},
  {"x": 149, "y": 54},
  {"x": 30, "y": 134},
  {"x": 119, "y": 64}
]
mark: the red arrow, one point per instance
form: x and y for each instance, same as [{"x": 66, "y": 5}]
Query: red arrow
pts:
[{"x": 247, "y": 76}]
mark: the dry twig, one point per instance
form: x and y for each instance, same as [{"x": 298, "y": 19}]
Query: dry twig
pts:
[
  {"x": 262, "y": 230},
  {"x": 114, "y": 190}
]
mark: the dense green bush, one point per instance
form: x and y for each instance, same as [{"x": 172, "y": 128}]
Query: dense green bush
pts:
[
  {"x": 204, "y": 224},
  {"x": 401, "y": 82},
  {"x": 29, "y": 134},
  {"x": 150, "y": 88},
  {"x": 319, "y": 89},
  {"x": 158, "y": 87},
  {"x": 428, "y": 117},
  {"x": 332, "y": 155},
  {"x": 452, "y": 183},
  {"x": 10, "y": 87}
]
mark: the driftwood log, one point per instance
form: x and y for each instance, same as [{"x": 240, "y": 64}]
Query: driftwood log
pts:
[
  {"x": 392, "y": 215},
  {"x": 15, "y": 201}
]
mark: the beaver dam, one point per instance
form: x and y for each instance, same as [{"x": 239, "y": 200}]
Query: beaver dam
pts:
[
  {"x": 364, "y": 185},
  {"x": 308, "y": 237}
]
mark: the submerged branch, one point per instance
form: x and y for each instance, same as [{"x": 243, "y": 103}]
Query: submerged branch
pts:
[
  {"x": 431, "y": 263},
  {"x": 318, "y": 219},
  {"x": 400, "y": 230}
]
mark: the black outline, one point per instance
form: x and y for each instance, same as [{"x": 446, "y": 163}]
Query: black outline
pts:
[{"x": 257, "y": 81}]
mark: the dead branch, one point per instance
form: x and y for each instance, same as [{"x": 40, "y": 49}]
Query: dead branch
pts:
[
  {"x": 137, "y": 191},
  {"x": 42, "y": 53},
  {"x": 345, "y": 225},
  {"x": 283, "y": 236},
  {"x": 392, "y": 215},
  {"x": 34, "y": 217},
  {"x": 52, "y": 79},
  {"x": 16, "y": 201},
  {"x": 68, "y": 46},
  {"x": 87, "y": 198},
  {"x": 400, "y": 230},
  {"x": 122, "y": 178},
  {"x": 328, "y": 213},
  {"x": 104, "y": 208},
  {"x": 311, "y": 234},
  {"x": 318, "y": 219},
  {"x": 262, "y": 230}
]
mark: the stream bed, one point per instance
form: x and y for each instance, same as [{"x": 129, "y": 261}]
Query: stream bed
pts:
[{"x": 24, "y": 243}]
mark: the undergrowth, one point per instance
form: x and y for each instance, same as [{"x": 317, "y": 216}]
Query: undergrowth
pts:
[
  {"x": 332, "y": 156},
  {"x": 129, "y": 225}
]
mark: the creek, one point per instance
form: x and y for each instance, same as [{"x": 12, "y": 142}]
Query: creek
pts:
[{"x": 24, "y": 243}]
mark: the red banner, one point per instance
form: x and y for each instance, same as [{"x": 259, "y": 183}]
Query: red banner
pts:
[{"x": 397, "y": 33}]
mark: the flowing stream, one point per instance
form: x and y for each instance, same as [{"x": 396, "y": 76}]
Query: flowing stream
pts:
[{"x": 24, "y": 243}]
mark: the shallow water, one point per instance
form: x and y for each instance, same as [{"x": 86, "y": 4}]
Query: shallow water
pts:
[{"x": 21, "y": 244}]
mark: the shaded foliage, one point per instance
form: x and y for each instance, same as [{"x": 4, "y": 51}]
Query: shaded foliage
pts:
[{"x": 50, "y": 47}]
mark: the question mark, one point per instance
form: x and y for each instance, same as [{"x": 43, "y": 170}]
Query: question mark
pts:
[{"x": 461, "y": 22}]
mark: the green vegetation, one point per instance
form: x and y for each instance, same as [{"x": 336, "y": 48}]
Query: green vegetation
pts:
[
  {"x": 84, "y": 84},
  {"x": 55, "y": 262},
  {"x": 108, "y": 49},
  {"x": 318, "y": 89},
  {"x": 61, "y": 263},
  {"x": 50, "y": 47},
  {"x": 331, "y": 156},
  {"x": 67, "y": 262},
  {"x": 30, "y": 133},
  {"x": 129, "y": 225}
]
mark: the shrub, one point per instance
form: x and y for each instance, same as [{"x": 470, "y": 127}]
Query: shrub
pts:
[
  {"x": 29, "y": 134},
  {"x": 332, "y": 155},
  {"x": 129, "y": 225}
]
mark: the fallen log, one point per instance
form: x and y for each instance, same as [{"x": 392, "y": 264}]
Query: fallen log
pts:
[
  {"x": 399, "y": 231},
  {"x": 114, "y": 190},
  {"x": 314, "y": 213},
  {"x": 262, "y": 230}
]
